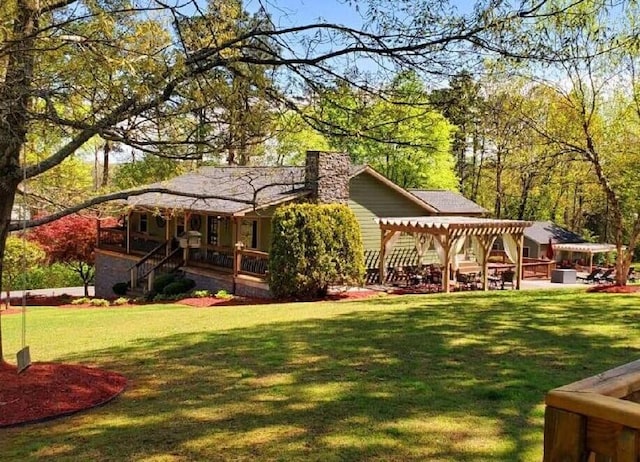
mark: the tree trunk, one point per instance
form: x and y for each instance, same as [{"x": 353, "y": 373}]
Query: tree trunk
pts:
[
  {"x": 105, "y": 163},
  {"x": 14, "y": 104}
]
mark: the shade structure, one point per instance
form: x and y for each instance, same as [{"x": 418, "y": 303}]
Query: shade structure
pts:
[
  {"x": 447, "y": 231},
  {"x": 588, "y": 248}
]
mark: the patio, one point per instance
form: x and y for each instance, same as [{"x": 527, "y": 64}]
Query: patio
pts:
[{"x": 448, "y": 236}]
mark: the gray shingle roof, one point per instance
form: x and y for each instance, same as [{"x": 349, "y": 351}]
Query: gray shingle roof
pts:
[
  {"x": 448, "y": 202},
  {"x": 542, "y": 231},
  {"x": 244, "y": 184},
  {"x": 265, "y": 185}
]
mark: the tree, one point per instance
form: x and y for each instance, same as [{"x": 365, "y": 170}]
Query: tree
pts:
[
  {"x": 77, "y": 69},
  {"x": 397, "y": 132},
  {"x": 19, "y": 256},
  {"x": 462, "y": 104},
  {"x": 70, "y": 240},
  {"x": 600, "y": 112}
]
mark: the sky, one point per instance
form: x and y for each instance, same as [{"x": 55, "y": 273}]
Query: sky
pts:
[{"x": 305, "y": 11}]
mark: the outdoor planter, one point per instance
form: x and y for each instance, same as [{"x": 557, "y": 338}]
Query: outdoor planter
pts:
[{"x": 595, "y": 419}]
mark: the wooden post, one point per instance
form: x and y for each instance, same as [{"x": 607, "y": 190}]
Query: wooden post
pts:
[
  {"x": 626, "y": 450},
  {"x": 486, "y": 242},
  {"x": 381, "y": 261},
  {"x": 150, "y": 280},
  {"x": 564, "y": 436},
  {"x": 98, "y": 234},
  {"x": 236, "y": 250},
  {"x": 127, "y": 222},
  {"x": 445, "y": 243},
  {"x": 167, "y": 234},
  {"x": 519, "y": 262}
]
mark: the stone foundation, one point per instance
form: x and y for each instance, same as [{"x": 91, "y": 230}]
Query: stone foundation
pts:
[{"x": 111, "y": 268}]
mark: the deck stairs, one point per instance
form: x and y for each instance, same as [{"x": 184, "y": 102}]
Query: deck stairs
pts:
[{"x": 161, "y": 260}]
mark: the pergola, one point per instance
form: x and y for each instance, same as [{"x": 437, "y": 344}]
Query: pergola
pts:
[
  {"x": 449, "y": 233},
  {"x": 589, "y": 248}
]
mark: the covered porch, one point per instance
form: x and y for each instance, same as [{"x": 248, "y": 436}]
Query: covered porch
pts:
[
  {"x": 223, "y": 244},
  {"x": 448, "y": 236}
]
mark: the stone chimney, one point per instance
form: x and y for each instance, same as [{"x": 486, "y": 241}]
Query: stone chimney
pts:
[{"x": 327, "y": 176}]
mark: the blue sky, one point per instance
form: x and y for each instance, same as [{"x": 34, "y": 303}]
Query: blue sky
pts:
[{"x": 296, "y": 12}]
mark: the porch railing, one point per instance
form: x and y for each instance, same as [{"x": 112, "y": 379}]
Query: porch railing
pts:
[
  {"x": 595, "y": 419},
  {"x": 220, "y": 258},
  {"x": 168, "y": 264},
  {"x": 116, "y": 239},
  {"x": 535, "y": 268},
  {"x": 253, "y": 263},
  {"x": 112, "y": 239},
  {"x": 146, "y": 264}
]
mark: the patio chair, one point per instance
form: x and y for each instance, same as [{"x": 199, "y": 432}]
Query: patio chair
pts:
[
  {"x": 591, "y": 277},
  {"x": 606, "y": 277},
  {"x": 631, "y": 276},
  {"x": 507, "y": 278}
]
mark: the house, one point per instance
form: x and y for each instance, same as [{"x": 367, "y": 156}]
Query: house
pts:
[
  {"x": 565, "y": 245},
  {"x": 218, "y": 228}
]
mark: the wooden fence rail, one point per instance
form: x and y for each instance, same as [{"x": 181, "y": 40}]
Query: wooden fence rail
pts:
[{"x": 596, "y": 419}]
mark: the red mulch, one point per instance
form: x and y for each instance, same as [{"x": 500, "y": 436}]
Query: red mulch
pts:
[
  {"x": 613, "y": 289},
  {"x": 48, "y": 390}
]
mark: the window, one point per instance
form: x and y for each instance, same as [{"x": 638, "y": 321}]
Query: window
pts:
[
  {"x": 143, "y": 224},
  {"x": 213, "y": 230},
  {"x": 180, "y": 226},
  {"x": 249, "y": 233},
  {"x": 525, "y": 252}
]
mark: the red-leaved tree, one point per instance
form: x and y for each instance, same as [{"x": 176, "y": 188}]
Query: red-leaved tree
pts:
[{"x": 70, "y": 240}]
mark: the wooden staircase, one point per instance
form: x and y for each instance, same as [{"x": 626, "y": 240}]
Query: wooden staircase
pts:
[{"x": 161, "y": 260}]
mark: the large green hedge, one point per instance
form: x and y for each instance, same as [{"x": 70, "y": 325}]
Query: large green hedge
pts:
[{"x": 313, "y": 247}]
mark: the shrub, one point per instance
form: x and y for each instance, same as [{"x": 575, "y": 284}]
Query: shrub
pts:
[
  {"x": 99, "y": 302},
  {"x": 223, "y": 294},
  {"x": 201, "y": 293},
  {"x": 312, "y": 247},
  {"x": 120, "y": 301},
  {"x": 120, "y": 288},
  {"x": 179, "y": 286},
  {"x": 81, "y": 301},
  {"x": 163, "y": 280}
]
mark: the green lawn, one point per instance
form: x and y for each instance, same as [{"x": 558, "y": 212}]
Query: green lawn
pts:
[{"x": 438, "y": 378}]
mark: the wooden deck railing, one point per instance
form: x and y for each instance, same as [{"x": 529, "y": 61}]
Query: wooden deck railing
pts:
[
  {"x": 535, "y": 268},
  {"x": 116, "y": 239},
  {"x": 220, "y": 258},
  {"x": 112, "y": 239},
  {"x": 596, "y": 419},
  {"x": 146, "y": 264},
  {"x": 253, "y": 263}
]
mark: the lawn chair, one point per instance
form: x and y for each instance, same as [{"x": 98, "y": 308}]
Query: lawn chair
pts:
[
  {"x": 606, "y": 277},
  {"x": 591, "y": 277},
  {"x": 507, "y": 278}
]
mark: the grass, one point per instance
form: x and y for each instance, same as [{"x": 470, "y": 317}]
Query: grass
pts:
[{"x": 439, "y": 378}]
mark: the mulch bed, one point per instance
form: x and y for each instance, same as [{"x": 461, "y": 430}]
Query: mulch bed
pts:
[
  {"x": 64, "y": 301},
  {"x": 48, "y": 390},
  {"x": 613, "y": 289}
]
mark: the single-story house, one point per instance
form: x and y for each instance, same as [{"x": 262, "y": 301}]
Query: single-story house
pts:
[
  {"x": 545, "y": 239},
  {"x": 221, "y": 216}
]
